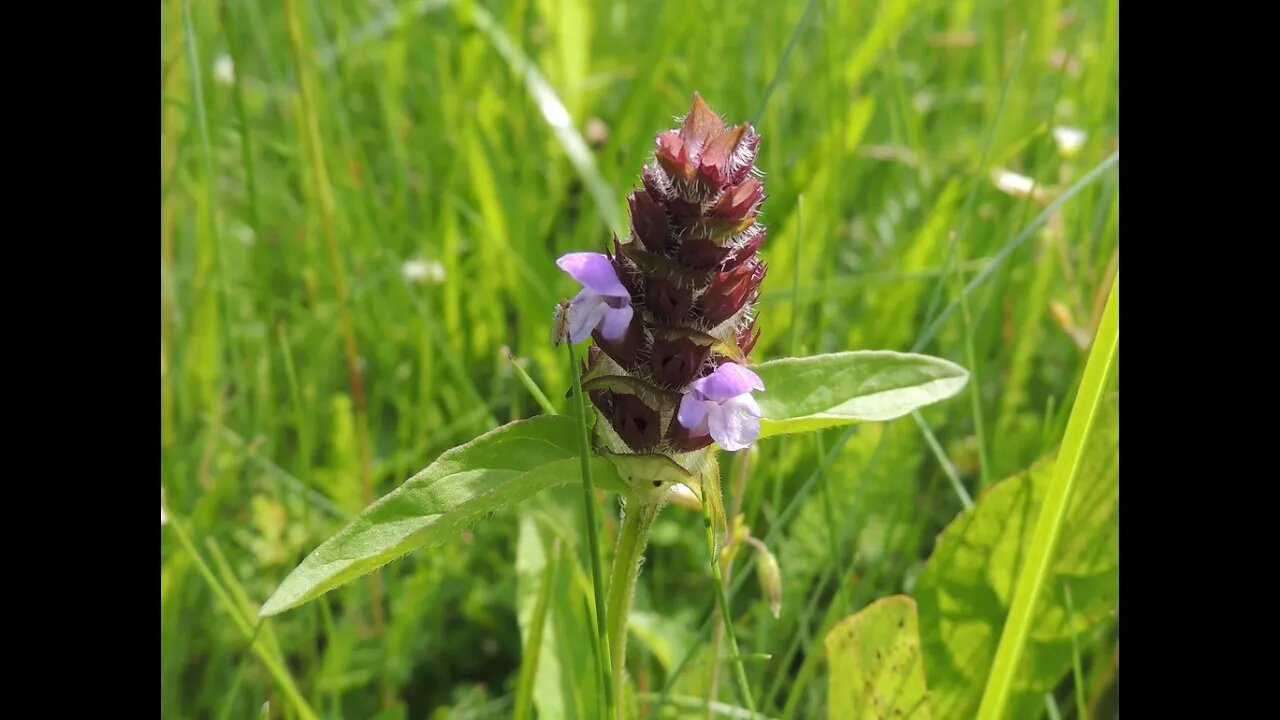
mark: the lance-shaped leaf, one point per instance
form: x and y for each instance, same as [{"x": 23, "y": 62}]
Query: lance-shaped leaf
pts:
[
  {"x": 496, "y": 470},
  {"x": 822, "y": 391}
]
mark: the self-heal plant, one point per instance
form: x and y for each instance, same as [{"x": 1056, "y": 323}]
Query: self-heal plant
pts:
[
  {"x": 673, "y": 380},
  {"x": 670, "y": 311}
]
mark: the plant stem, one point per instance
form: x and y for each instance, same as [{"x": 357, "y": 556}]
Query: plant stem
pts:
[
  {"x": 741, "y": 468},
  {"x": 637, "y": 521},
  {"x": 593, "y": 542},
  {"x": 713, "y": 682},
  {"x": 722, "y": 599}
]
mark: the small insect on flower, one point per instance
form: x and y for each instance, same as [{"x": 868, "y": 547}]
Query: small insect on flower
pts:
[{"x": 560, "y": 323}]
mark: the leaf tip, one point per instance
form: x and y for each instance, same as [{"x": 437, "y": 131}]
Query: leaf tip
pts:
[{"x": 273, "y": 606}]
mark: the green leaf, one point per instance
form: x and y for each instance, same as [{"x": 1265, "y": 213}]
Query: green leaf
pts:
[
  {"x": 496, "y": 470},
  {"x": 877, "y": 669},
  {"x": 822, "y": 391},
  {"x": 554, "y": 591},
  {"x": 532, "y": 622},
  {"x": 641, "y": 470},
  {"x": 967, "y": 586},
  {"x": 667, "y": 638}
]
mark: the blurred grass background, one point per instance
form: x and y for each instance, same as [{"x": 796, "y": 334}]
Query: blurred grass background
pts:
[{"x": 361, "y": 203}]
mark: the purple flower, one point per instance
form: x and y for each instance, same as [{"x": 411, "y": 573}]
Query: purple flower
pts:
[
  {"x": 603, "y": 303},
  {"x": 721, "y": 404}
]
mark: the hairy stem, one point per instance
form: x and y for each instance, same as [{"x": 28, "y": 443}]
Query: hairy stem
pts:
[{"x": 637, "y": 521}]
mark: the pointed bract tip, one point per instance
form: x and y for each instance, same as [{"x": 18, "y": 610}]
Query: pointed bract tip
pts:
[{"x": 700, "y": 127}]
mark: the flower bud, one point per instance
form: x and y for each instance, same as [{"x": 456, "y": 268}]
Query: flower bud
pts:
[
  {"x": 649, "y": 222},
  {"x": 770, "y": 576},
  {"x": 669, "y": 302},
  {"x": 730, "y": 290},
  {"x": 634, "y": 421},
  {"x": 676, "y": 362}
]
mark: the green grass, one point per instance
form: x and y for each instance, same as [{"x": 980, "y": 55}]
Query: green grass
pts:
[{"x": 304, "y": 371}]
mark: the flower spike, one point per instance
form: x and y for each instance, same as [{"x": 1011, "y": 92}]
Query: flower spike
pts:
[{"x": 671, "y": 307}]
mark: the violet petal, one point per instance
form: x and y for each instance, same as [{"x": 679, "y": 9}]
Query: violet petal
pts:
[
  {"x": 728, "y": 381},
  {"x": 594, "y": 272}
]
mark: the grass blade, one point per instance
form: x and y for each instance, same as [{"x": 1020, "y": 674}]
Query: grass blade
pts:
[
  {"x": 531, "y": 386},
  {"x": 275, "y": 666},
  {"x": 782, "y": 62},
  {"x": 557, "y": 116},
  {"x": 593, "y": 539},
  {"x": 943, "y": 461},
  {"x": 324, "y": 199},
  {"x": 722, "y": 601},
  {"x": 1002, "y": 257},
  {"x": 1014, "y": 636}
]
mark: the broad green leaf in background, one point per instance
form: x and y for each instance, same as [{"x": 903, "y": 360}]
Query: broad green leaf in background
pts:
[
  {"x": 822, "y": 391},
  {"x": 533, "y": 601},
  {"x": 492, "y": 472},
  {"x": 668, "y": 638},
  {"x": 555, "y": 584},
  {"x": 967, "y": 586},
  {"x": 863, "y": 493},
  {"x": 876, "y": 666}
]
